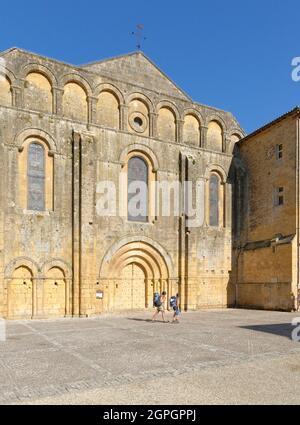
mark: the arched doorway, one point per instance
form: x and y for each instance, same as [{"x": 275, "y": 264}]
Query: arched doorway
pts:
[
  {"x": 131, "y": 275},
  {"x": 20, "y": 294},
  {"x": 130, "y": 289},
  {"x": 54, "y": 293}
]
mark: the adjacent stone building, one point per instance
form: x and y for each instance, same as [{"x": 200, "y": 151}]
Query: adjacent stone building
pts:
[{"x": 266, "y": 211}]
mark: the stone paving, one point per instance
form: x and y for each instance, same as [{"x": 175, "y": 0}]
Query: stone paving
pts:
[{"x": 211, "y": 357}]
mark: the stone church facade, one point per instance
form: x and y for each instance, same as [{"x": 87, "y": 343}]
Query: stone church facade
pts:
[{"x": 64, "y": 130}]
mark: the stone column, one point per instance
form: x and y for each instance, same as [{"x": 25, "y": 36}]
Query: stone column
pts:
[
  {"x": 227, "y": 202},
  {"x": 224, "y": 147},
  {"x": 206, "y": 201},
  {"x": 179, "y": 131},
  {"x": 92, "y": 109},
  {"x": 123, "y": 116},
  {"x": 37, "y": 291},
  {"x": 76, "y": 226},
  {"x": 17, "y": 96},
  {"x": 153, "y": 124},
  {"x": 68, "y": 283},
  {"x": 57, "y": 99},
  {"x": 203, "y": 137},
  {"x": 182, "y": 232}
]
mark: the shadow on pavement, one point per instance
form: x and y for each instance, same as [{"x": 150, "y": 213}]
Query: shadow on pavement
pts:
[
  {"x": 280, "y": 329},
  {"x": 139, "y": 320},
  {"x": 146, "y": 320}
]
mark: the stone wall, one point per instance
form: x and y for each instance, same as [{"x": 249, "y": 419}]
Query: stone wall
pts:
[
  {"x": 266, "y": 251},
  {"x": 101, "y": 114}
]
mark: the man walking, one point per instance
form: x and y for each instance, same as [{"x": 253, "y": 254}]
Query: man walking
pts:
[
  {"x": 159, "y": 304},
  {"x": 174, "y": 302}
]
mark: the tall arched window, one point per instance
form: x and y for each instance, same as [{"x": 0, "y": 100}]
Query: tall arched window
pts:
[
  {"x": 214, "y": 195},
  {"x": 137, "y": 190},
  {"x": 214, "y": 138},
  {"x": 36, "y": 177}
]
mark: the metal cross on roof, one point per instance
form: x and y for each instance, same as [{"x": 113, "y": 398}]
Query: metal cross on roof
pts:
[{"x": 138, "y": 33}]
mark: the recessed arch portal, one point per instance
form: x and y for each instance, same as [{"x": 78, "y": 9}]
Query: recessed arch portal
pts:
[{"x": 131, "y": 274}]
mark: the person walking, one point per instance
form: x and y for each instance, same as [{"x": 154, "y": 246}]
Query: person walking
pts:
[
  {"x": 159, "y": 304},
  {"x": 174, "y": 302}
]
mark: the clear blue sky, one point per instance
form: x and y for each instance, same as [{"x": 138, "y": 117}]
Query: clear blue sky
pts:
[{"x": 235, "y": 55}]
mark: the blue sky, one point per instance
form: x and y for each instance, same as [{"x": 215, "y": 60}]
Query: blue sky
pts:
[{"x": 235, "y": 55}]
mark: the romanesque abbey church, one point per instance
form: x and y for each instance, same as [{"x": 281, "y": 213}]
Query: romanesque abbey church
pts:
[{"x": 65, "y": 129}]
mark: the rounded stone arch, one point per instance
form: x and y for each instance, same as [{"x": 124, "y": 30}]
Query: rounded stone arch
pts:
[
  {"x": 111, "y": 88},
  {"x": 168, "y": 105},
  {"x": 6, "y": 72},
  {"x": 142, "y": 98},
  {"x": 218, "y": 119},
  {"x": 150, "y": 267},
  {"x": 139, "y": 148},
  {"x": 142, "y": 244},
  {"x": 74, "y": 77},
  {"x": 108, "y": 106},
  {"x": 57, "y": 283},
  {"x": 39, "y": 69},
  {"x": 236, "y": 131},
  {"x": 18, "y": 262},
  {"x": 59, "y": 264},
  {"x": 195, "y": 113},
  {"x": 234, "y": 136},
  {"x": 192, "y": 123},
  {"x": 23, "y": 135},
  {"x": 215, "y": 136},
  {"x": 216, "y": 200},
  {"x": 7, "y": 79},
  {"x": 166, "y": 121},
  {"x": 218, "y": 169}
]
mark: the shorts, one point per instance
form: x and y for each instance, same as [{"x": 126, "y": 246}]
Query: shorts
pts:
[
  {"x": 176, "y": 311},
  {"x": 160, "y": 308}
]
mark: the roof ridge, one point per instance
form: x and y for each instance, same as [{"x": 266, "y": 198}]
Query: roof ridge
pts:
[
  {"x": 111, "y": 58},
  {"x": 270, "y": 123},
  {"x": 140, "y": 52}
]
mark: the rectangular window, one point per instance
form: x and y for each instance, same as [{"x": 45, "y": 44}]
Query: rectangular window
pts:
[
  {"x": 279, "y": 196},
  {"x": 279, "y": 151}
]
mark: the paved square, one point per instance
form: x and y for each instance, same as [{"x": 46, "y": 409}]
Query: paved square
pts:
[{"x": 216, "y": 356}]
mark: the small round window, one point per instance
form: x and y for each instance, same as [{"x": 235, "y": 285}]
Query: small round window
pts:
[{"x": 138, "y": 122}]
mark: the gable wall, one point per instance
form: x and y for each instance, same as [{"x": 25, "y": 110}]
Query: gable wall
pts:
[{"x": 72, "y": 232}]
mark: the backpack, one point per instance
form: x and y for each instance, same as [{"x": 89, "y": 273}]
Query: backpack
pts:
[
  {"x": 173, "y": 301},
  {"x": 156, "y": 300}
]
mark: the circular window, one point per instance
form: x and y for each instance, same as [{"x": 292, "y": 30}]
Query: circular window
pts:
[{"x": 138, "y": 122}]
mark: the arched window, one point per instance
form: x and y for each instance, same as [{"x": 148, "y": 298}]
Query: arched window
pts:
[
  {"x": 166, "y": 125},
  {"x": 36, "y": 177},
  {"x": 214, "y": 137},
  {"x": 191, "y": 130},
  {"x": 5, "y": 91},
  {"x": 214, "y": 195},
  {"x": 108, "y": 110},
  {"x": 74, "y": 102},
  {"x": 38, "y": 93},
  {"x": 137, "y": 189}
]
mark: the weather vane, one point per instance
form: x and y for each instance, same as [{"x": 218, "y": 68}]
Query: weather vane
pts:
[{"x": 138, "y": 33}]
